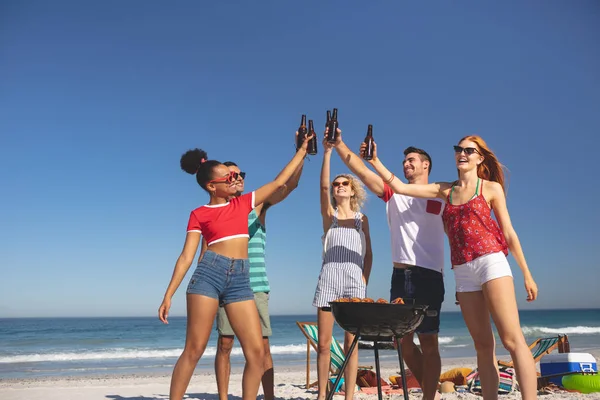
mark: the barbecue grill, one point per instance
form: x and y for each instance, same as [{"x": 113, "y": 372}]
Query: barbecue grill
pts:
[{"x": 377, "y": 322}]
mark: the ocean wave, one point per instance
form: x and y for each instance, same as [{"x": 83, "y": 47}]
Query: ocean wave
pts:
[
  {"x": 123, "y": 354},
  {"x": 148, "y": 353},
  {"x": 441, "y": 339},
  {"x": 569, "y": 330}
]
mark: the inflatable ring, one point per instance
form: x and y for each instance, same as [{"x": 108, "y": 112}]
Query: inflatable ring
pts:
[{"x": 582, "y": 383}]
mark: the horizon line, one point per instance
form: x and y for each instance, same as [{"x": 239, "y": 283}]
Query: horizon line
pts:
[{"x": 272, "y": 315}]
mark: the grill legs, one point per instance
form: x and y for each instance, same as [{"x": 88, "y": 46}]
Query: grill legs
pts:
[
  {"x": 377, "y": 368},
  {"x": 342, "y": 368},
  {"x": 402, "y": 371}
]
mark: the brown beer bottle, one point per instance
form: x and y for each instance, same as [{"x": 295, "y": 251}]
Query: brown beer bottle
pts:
[
  {"x": 369, "y": 143},
  {"x": 333, "y": 125},
  {"x": 312, "y": 144},
  {"x": 328, "y": 119},
  {"x": 302, "y": 131}
]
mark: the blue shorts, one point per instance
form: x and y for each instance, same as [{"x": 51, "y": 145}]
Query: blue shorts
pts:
[
  {"x": 426, "y": 287},
  {"x": 222, "y": 278}
]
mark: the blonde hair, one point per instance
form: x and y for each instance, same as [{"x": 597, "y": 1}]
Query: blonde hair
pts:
[{"x": 360, "y": 194}]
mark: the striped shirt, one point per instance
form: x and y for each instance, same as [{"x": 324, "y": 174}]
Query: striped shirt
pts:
[{"x": 256, "y": 254}]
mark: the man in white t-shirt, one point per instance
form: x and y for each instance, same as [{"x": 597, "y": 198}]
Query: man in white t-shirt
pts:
[{"x": 417, "y": 236}]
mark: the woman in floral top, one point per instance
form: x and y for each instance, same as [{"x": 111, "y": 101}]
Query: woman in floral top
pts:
[{"x": 479, "y": 246}]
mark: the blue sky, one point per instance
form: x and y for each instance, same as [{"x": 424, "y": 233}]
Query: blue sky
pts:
[{"x": 99, "y": 100}]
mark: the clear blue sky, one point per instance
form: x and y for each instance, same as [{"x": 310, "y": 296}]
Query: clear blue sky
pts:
[{"x": 99, "y": 100}]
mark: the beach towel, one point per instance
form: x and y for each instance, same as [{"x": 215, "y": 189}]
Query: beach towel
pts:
[{"x": 508, "y": 381}]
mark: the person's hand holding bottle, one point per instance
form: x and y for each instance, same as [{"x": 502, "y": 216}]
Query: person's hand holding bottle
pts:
[
  {"x": 363, "y": 150},
  {"x": 328, "y": 146}
]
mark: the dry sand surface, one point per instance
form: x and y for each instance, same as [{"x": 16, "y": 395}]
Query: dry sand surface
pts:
[{"x": 289, "y": 384}]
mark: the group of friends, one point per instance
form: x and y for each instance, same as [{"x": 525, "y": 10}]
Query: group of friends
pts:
[{"x": 230, "y": 282}]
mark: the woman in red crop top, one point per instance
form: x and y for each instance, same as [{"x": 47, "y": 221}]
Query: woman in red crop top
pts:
[
  {"x": 222, "y": 275},
  {"x": 479, "y": 246}
]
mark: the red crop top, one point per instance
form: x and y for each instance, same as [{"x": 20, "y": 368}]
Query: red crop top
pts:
[{"x": 222, "y": 221}]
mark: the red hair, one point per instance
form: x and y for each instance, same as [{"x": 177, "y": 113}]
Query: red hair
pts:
[{"x": 490, "y": 168}]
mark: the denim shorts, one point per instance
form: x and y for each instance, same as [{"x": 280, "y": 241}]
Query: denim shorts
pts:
[
  {"x": 426, "y": 287},
  {"x": 222, "y": 278}
]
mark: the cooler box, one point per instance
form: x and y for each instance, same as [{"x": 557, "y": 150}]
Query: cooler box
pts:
[{"x": 557, "y": 363}]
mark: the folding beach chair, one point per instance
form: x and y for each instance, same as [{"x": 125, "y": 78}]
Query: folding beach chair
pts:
[
  {"x": 311, "y": 331},
  {"x": 543, "y": 346}
]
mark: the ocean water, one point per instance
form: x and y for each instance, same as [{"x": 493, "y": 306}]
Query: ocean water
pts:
[{"x": 39, "y": 347}]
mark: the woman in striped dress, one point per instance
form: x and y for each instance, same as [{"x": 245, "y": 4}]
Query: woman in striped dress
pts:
[{"x": 347, "y": 259}]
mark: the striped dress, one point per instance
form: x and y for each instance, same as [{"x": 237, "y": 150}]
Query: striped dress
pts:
[{"x": 344, "y": 252}]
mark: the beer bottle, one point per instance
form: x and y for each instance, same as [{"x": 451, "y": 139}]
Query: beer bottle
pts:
[
  {"x": 369, "y": 143},
  {"x": 301, "y": 132},
  {"x": 333, "y": 125},
  {"x": 312, "y": 144},
  {"x": 328, "y": 119}
]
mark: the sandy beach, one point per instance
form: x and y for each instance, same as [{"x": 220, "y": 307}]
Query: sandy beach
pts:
[{"x": 289, "y": 384}]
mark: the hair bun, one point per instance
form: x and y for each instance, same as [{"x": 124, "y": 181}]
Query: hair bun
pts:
[{"x": 192, "y": 160}]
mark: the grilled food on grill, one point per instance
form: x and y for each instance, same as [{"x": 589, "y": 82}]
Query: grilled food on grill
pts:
[
  {"x": 398, "y": 300},
  {"x": 368, "y": 300}
]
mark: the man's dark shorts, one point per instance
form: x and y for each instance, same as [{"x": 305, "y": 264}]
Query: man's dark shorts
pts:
[{"x": 424, "y": 285}]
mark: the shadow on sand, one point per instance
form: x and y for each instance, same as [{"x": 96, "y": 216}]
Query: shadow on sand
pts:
[
  {"x": 194, "y": 396},
  {"x": 188, "y": 396}
]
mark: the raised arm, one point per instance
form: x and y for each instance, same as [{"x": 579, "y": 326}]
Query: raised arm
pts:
[
  {"x": 287, "y": 188},
  {"x": 428, "y": 191},
  {"x": 182, "y": 265},
  {"x": 373, "y": 181},
  {"x": 326, "y": 207},
  {"x": 264, "y": 192},
  {"x": 498, "y": 203}
]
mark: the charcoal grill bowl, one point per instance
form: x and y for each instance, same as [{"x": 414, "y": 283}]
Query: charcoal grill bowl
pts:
[{"x": 378, "y": 320}]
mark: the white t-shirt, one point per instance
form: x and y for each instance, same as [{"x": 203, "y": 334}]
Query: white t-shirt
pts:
[{"x": 416, "y": 230}]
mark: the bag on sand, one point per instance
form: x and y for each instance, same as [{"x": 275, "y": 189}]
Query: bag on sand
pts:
[{"x": 368, "y": 378}]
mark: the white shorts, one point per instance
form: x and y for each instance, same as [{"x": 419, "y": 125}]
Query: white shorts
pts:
[{"x": 471, "y": 275}]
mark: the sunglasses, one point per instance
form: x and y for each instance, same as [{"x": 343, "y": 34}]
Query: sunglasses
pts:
[
  {"x": 232, "y": 177},
  {"x": 243, "y": 175},
  {"x": 468, "y": 150},
  {"x": 336, "y": 184}
]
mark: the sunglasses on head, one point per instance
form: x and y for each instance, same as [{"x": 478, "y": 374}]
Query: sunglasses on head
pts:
[
  {"x": 336, "y": 184},
  {"x": 468, "y": 150},
  {"x": 232, "y": 177}
]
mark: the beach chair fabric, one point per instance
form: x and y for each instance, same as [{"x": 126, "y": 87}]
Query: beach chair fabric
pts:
[
  {"x": 311, "y": 332},
  {"x": 541, "y": 347},
  {"x": 337, "y": 352}
]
